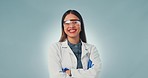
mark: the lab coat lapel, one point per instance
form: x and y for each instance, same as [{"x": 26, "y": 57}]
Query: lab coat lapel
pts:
[
  {"x": 65, "y": 46},
  {"x": 84, "y": 49}
]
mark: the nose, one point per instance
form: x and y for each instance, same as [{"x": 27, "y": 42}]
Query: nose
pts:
[{"x": 71, "y": 25}]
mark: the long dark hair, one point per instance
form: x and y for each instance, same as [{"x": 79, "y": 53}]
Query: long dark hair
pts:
[{"x": 82, "y": 32}]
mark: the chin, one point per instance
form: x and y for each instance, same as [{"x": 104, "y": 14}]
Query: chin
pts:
[{"x": 72, "y": 36}]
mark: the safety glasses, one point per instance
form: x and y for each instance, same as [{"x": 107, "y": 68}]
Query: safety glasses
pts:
[{"x": 72, "y": 22}]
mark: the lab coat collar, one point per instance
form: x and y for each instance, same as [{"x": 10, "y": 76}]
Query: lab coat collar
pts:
[{"x": 84, "y": 48}]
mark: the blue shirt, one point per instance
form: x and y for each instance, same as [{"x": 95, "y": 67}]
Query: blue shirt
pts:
[{"x": 76, "y": 48}]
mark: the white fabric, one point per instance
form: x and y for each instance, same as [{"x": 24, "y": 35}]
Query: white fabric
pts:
[{"x": 61, "y": 56}]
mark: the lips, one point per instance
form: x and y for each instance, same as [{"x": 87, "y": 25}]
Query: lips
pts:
[{"x": 72, "y": 30}]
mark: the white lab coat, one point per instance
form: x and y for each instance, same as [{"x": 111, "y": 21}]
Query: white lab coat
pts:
[{"x": 61, "y": 56}]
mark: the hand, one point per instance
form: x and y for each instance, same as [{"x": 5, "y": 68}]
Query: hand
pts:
[{"x": 68, "y": 72}]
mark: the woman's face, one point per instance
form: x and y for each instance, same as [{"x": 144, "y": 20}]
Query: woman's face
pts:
[{"x": 72, "y": 26}]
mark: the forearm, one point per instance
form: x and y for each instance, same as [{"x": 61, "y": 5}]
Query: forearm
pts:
[{"x": 81, "y": 73}]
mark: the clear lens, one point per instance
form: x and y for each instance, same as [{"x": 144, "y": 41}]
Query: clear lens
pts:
[{"x": 73, "y": 22}]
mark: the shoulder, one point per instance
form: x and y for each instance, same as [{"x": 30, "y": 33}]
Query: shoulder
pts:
[
  {"x": 58, "y": 45},
  {"x": 54, "y": 48},
  {"x": 89, "y": 46},
  {"x": 55, "y": 45}
]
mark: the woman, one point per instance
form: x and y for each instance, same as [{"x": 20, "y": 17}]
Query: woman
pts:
[{"x": 72, "y": 57}]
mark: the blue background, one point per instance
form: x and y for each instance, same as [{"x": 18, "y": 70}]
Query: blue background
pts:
[{"x": 118, "y": 28}]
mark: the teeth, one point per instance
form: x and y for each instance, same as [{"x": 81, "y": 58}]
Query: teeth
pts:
[{"x": 72, "y": 31}]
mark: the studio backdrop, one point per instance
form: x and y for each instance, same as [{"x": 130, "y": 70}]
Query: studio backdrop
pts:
[{"x": 118, "y": 28}]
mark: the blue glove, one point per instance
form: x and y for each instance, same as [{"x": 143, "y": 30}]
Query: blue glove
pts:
[
  {"x": 64, "y": 69},
  {"x": 89, "y": 64}
]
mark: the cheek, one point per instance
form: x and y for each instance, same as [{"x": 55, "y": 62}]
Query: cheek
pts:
[
  {"x": 79, "y": 28},
  {"x": 65, "y": 30}
]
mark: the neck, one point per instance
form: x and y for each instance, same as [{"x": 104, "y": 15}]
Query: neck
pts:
[{"x": 73, "y": 40}]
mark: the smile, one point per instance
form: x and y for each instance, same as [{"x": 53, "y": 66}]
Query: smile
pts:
[{"x": 72, "y": 30}]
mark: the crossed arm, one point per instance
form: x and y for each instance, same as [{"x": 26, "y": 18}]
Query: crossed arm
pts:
[{"x": 55, "y": 67}]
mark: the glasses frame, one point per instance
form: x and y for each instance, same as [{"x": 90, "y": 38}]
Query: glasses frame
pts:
[{"x": 68, "y": 23}]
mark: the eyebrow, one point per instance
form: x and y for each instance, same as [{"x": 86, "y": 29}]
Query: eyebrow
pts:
[{"x": 73, "y": 20}]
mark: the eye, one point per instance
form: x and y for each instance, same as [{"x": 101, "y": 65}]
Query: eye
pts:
[
  {"x": 67, "y": 22},
  {"x": 75, "y": 22}
]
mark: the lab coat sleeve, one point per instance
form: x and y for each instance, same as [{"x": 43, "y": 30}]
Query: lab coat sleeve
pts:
[
  {"x": 91, "y": 72},
  {"x": 55, "y": 67}
]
